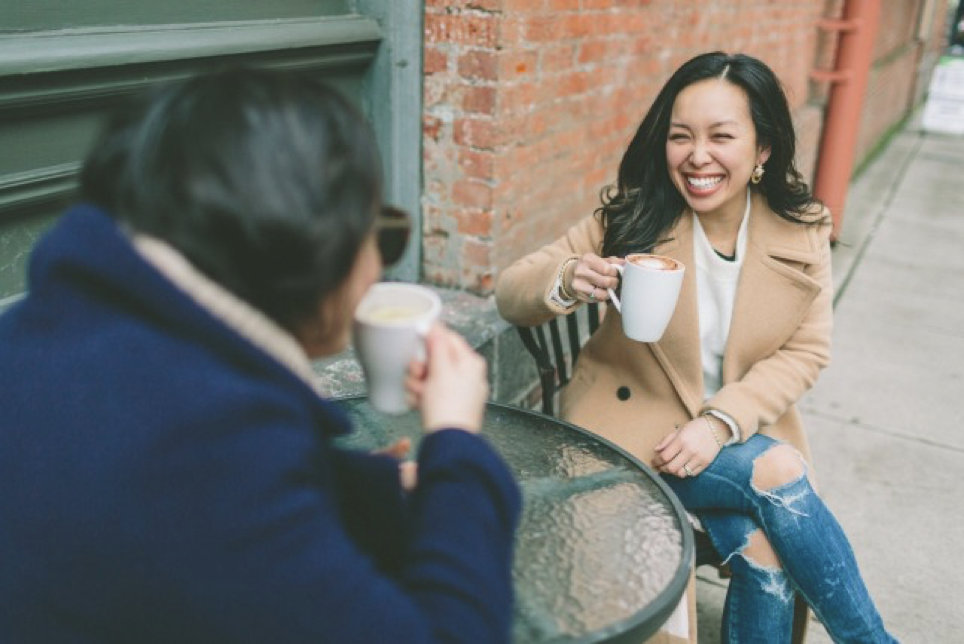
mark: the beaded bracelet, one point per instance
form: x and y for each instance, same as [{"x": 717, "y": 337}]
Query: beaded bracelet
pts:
[
  {"x": 716, "y": 436},
  {"x": 562, "y": 279}
]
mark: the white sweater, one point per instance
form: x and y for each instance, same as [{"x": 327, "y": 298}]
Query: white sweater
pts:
[{"x": 716, "y": 282}]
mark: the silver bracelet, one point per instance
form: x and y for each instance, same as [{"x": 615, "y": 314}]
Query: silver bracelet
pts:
[
  {"x": 716, "y": 436},
  {"x": 562, "y": 279}
]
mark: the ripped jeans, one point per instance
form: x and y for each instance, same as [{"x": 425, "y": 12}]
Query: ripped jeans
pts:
[{"x": 817, "y": 560}]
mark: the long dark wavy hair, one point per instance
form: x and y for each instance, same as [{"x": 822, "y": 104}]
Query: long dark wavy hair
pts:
[{"x": 644, "y": 204}]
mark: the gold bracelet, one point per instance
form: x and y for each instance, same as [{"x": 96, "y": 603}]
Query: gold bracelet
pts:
[
  {"x": 716, "y": 437},
  {"x": 563, "y": 291}
]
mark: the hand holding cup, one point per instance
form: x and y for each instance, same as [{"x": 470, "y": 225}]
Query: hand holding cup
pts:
[
  {"x": 593, "y": 277},
  {"x": 391, "y": 323},
  {"x": 450, "y": 387},
  {"x": 651, "y": 286}
]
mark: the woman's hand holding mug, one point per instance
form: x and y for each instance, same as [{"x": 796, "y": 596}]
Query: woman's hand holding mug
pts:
[
  {"x": 593, "y": 278},
  {"x": 651, "y": 286},
  {"x": 450, "y": 387}
]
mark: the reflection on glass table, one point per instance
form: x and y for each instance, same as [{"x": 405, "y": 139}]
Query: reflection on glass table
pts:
[{"x": 603, "y": 551}]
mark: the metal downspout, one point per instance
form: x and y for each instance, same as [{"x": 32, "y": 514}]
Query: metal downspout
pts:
[{"x": 857, "y": 29}]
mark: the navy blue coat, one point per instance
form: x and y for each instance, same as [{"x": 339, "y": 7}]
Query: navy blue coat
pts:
[{"x": 162, "y": 479}]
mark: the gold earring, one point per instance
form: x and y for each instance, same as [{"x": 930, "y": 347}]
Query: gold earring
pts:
[{"x": 757, "y": 174}]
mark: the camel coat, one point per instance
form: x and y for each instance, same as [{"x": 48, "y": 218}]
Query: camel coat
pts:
[{"x": 634, "y": 393}]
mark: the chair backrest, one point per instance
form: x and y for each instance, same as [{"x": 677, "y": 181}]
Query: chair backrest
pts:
[{"x": 551, "y": 354}]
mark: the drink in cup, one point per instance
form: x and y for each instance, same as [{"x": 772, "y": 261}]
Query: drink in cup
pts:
[
  {"x": 650, "y": 288},
  {"x": 389, "y": 330}
]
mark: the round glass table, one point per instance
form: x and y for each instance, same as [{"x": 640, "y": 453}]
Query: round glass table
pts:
[{"x": 603, "y": 551}]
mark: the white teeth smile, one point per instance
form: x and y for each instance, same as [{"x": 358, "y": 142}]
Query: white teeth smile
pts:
[{"x": 703, "y": 183}]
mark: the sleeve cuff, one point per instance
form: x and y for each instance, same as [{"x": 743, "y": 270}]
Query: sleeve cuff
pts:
[
  {"x": 555, "y": 294},
  {"x": 726, "y": 418}
]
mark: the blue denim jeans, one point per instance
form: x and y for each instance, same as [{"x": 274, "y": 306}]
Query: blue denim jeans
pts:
[{"x": 817, "y": 560}]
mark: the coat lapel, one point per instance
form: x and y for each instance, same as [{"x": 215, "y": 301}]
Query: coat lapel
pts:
[
  {"x": 772, "y": 298},
  {"x": 678, "y": 351},
  {"x": 773, "y": 295}
]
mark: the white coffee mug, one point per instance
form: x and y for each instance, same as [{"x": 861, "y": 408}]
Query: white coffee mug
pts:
[
  {"x": 389, "y": 329},
  {"x": 650, "y": 288}
]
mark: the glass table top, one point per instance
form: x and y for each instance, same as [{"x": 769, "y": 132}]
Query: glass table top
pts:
[{"x": 602, "y": 553}]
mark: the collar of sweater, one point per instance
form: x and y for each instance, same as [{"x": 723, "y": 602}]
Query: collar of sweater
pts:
[{"x": 231, "y": 310}]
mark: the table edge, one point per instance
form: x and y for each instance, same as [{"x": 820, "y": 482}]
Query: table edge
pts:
[{"x": 637, "y": 625}]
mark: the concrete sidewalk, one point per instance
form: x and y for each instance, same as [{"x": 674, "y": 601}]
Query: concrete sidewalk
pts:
[{"x": 886, "y": 419}]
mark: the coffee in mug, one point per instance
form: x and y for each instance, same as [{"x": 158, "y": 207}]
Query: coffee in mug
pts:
[
  {"x": 389, "y": 331},
  {"x": 390, "y": 313},
  {"x": 655, "y": 262},
  {"x": 650, "y": 288}
]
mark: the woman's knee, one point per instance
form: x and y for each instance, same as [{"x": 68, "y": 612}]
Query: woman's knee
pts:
[{"x": 778, "y": 466}]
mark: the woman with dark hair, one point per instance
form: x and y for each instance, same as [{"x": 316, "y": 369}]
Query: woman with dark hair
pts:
[
  {"x": 167, "y": 466},
  {"x": 709, "y": 180}
]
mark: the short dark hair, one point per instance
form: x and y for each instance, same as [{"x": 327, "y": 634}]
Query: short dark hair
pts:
[
  {"x": 266, "y": 181},
  {"x": 644, "y": 204}
]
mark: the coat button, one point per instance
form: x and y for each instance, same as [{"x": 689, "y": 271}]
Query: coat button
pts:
[{"x": 622, "y": 393}]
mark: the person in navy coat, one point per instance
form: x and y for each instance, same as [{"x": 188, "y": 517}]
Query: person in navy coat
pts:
[{"x": 168, "y": 471}]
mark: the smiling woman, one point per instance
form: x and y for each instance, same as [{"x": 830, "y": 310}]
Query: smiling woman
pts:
[
  {"x": 711, "y": 153},
  {"x": 714, "y": 116},
  {"x": 709, "y": 181}
]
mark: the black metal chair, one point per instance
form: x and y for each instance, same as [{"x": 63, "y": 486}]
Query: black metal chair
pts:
[{"x": 550, "y": 353}]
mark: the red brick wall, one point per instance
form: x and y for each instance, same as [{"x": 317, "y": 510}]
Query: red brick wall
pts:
[
  {"x": 530, "y": 103},
  {"x": 901, "y": 63},
  {"x": 935, "y": 44},
  {"x": 889, "y": 97}
]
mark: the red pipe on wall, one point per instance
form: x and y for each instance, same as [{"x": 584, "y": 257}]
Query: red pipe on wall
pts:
[{"x": 857, "y": 29}]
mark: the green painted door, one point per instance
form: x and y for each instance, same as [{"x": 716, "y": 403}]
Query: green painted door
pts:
[{"x": 64, "y": 64}]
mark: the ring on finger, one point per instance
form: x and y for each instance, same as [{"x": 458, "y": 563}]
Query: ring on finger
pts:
[
  {"x": 592, "y": 294},
  {"x": 688, "y": 471}
]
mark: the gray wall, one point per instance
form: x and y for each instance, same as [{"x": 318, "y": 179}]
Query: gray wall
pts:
[{"x": 64, "y": 64}]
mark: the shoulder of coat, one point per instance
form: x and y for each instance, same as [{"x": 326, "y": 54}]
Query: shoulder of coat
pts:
[{"x": 790, "y": 239}]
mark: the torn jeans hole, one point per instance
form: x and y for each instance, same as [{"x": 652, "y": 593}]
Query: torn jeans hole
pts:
[
  {"x": 772, "y": 579},
  {"x": 787, "y": 495}
]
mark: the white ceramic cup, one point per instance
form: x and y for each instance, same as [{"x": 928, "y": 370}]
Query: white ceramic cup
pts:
[
  {"x": 650, "y": 288},
  {"x": 389, "y": 330}
]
